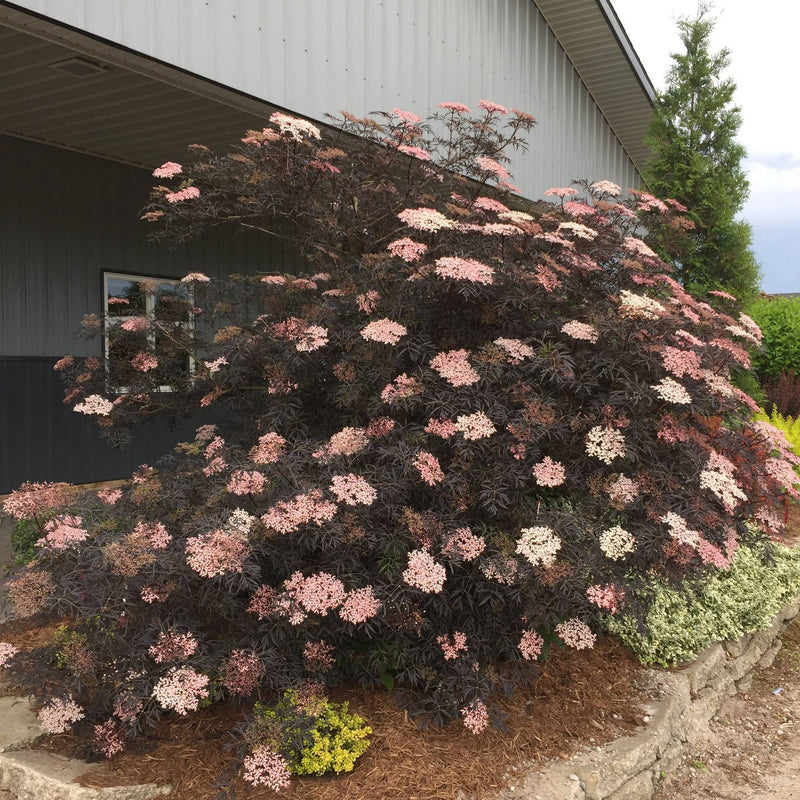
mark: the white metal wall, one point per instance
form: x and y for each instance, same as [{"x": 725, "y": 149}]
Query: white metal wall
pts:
[{"x": 320, "y": 56}]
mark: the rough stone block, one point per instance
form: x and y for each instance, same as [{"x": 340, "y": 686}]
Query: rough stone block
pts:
[
  {"x": 670, "y": 759},
  {"x": 553, "y": 783},
  {"x": 616, "y": 764},
  {"x": 790, "y": 611},
  {"x": 20, "y": 726},
  {"x": 39, "y": 775},
  {"x": 768, "y": 657},
  {"x": 666, "y": 715},
  {"x": 707, "y": 665},
  {"x": 638, "y": 788}
]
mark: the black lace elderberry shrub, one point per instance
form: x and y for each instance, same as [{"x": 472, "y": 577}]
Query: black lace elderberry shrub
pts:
[{"x": 471, "y": 430}]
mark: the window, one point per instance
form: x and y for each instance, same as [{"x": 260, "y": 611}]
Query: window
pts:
[{"x": 149, "y": 325}]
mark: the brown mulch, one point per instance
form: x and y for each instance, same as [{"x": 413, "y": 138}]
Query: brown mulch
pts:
[{"x": 586, "y": 697}]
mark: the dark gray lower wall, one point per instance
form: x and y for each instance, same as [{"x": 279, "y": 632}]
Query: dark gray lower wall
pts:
[{"x": 42, "y": 440}]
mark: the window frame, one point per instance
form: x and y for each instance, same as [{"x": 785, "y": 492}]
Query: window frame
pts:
[{"x": 111, "y": 318}]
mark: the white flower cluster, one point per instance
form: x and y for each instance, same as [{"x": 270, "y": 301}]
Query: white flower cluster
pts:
[
  {"x": 671, "y": 391},
  {"x": 539, "y": 545},
  {"x": 616, "y": 542},
  {"x": 637, "y": 305},
  {"x": 723, "y": 486},
  {"x": 605, "y": 443}
]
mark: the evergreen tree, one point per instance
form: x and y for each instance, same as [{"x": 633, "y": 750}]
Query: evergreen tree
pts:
[{"x": 697, "y": 161}]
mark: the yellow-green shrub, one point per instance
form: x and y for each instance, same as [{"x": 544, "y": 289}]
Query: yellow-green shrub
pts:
[
  {"x": 789, "y": 425},
  {"x": 682, "y": 622}
]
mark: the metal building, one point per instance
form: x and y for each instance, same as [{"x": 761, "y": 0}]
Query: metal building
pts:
[{"x": 95, "y": 93}]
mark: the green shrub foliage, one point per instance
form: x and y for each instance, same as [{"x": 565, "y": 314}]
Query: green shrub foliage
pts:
[
  {"x": 471, "y": 428},
  {"x": 680, "y": 624},
  {"x": 779, "y": 319}
]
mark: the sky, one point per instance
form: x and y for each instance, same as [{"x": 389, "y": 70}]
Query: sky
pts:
[{"x": 763, "y": 44}]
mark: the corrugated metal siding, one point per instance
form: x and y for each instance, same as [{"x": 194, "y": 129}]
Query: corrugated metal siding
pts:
[
  {"x": 40, "y": 440},
  {"x": 318, "y": 56},
  {"x": 64, "y": 219}
]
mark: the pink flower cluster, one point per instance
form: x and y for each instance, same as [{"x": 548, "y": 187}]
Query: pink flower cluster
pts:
[
  {"x": 95, "y": 404},
  {"x": 7, "y": 652},
  {"x": 168, "y": 170},
  {"x": 682, "y": 362},
  {"x": 109, "y": 496},
  {"x": 429, "y": 468},
  {"x": 242, "y": 672},
  {"x": 605, "y": 443},
  {"x": 425, "y": 219},
  {"x": 458, "y": 108},
  {"x": 188, "y": 193},
  {"x": 368, "y": 301},
  {"x": 107, "y": 739},
  {"x": 539, "y": 545},
  {"x": 490, "y": 165},
  {"x": 576, "y": 634},
  {"x": 30, "y": 592},
  {"x": 58, "y": 714},
  {"x": 581, "y": 330},
  {"x": 442, "y": 427},
  {"x": 475, "y": 426},
  {"x": 424, "y": 573},
  {"x": 407, "y": 249},
  {"x": 530, "y": 645},
  {"x": 263, "y": 602},
  {"x": 265, "y": 767},
  {"x": 34, "y": 498},
  {"x": 454, "y": 367},
  {"x": 135, "y": 324},
  {"x": 216, "y": 553},
  {"x": 452, "y": 646},
  {"x": 475, "y": 717},
  {"x": 401, "y": 388},
  {"x": 464, "y": 544},
  {"x": 287, "y": 516},
  {"x": 63, "y": 531},
  {"x": 155, "y": 532},
  {"x": 144, "y": 362},
  {"x": 352, "y": 490},
  {"x": 380, "y": 427},
  {"x": 562, "y": 192},
  {"x": 516, "y": 350},
  {"x": 318, "y": 656},
  {"x": 384, "y": 331},
  {"x": 172, "y": 646},
  {"x": 464, "y": 269},
  {"x": 414, "y": 152},
  {"x": 269, "y": 450},
  {"x": 607, "y": 597},
  {"x": 360, "y": 605},
  {"x": 549, "y": 473},
  {"x": 243, "y": 482},
  {"x": 181, "y": 690},
  {"x": 347, "y": 442}
]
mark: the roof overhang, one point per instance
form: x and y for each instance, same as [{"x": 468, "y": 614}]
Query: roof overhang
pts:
[
  {"x": 67, "y": 89},
  {"x": 601, "y": 52}
]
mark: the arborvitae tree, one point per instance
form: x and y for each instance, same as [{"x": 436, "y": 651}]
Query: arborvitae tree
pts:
[{"x": 698, "y": 161}]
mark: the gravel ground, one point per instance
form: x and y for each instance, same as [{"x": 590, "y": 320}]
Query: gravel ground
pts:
[{"x": 752, "y": 750}]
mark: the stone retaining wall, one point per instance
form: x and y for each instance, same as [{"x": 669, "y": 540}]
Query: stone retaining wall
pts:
[{"x": 629, "y": 768}]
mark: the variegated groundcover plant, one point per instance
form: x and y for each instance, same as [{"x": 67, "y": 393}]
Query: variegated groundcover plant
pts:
[{"x": 472, "y": 428}]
